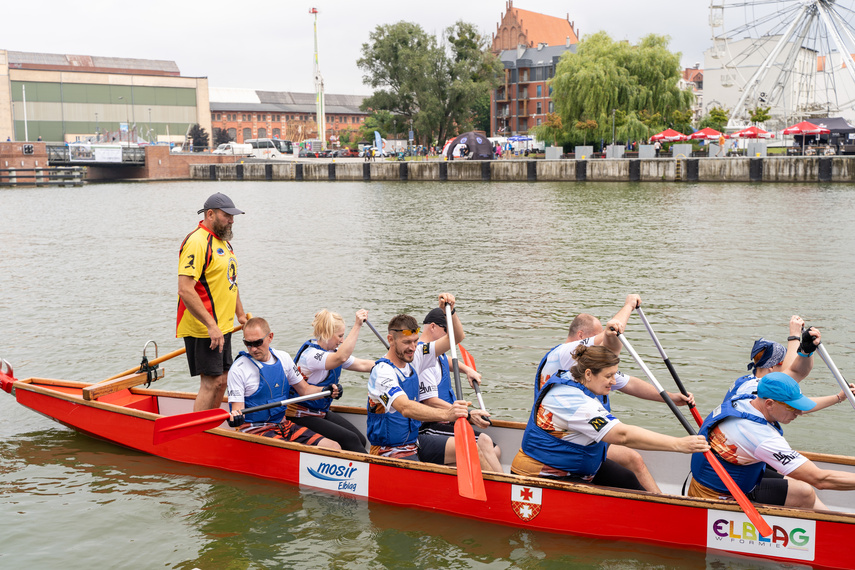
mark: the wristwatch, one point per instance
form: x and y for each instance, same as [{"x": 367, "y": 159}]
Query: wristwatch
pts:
[{"x": 793, "y": 337}]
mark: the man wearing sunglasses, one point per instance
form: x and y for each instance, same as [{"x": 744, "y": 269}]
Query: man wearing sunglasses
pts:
[
  {"x": 394, "y": 413},
  {"x": 261, "y": 375},
  {"x": 208, "y": 299},
  {"x": 746, "y": 434},
  {"x": 435, "y": 387}
]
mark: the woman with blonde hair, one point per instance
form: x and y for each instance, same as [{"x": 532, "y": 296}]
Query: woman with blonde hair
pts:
[
  {"x": 320, "y": 361},
  {"x": 571, "y": 425}
]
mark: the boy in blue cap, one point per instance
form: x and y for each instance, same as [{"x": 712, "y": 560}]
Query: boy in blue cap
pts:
[{"x": 746, "y": 434}]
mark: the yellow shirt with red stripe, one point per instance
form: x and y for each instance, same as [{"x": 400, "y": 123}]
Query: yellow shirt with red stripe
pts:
[{"x": 211, "y": 262}]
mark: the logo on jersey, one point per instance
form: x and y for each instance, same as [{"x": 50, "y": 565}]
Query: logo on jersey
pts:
[
  {"x": 232, "y": 273},
  {"x": 525, "y": 501},
  {"x": 319, "y": 356},
  {"x": 785, "y": 458},
  {"x": 425, "y": 349},
  {"x": 191, "y": 261},
  {"x": 598, "y": 423},
  {"x": 220, "y": 251}
]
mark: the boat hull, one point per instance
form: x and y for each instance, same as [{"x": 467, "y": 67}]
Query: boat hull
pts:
[{"x": 127, "y": 418}]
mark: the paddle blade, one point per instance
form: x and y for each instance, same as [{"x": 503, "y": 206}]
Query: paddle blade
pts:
[
  {"x": 182, "y": 425},
  {"x": 470, "y": 481},
  {"x": 747, "y": 506},
  {"x": 467, "y": 357}
]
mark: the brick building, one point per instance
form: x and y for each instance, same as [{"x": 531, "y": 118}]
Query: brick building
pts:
[
  {"x": 250, "y": 114},
  {"x": 529, "y": 45}
]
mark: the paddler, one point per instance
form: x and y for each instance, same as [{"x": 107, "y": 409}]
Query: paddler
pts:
[
  {"x": 569, "y": 428},
  {"x": 435, "y": 386},
  {"x": 796, "y": 362},
  {"x": 746, "y": 434},
  {"x": 320, "y": 361},
  {"x": 586, "y": 330},
  {"x": 394, "y": 413},
  {"x": 261, "y": 375},
  {"x": 208, "y": 299}
]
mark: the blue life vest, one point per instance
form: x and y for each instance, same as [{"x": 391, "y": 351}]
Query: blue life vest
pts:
[
  {"x": 537, "y": 374},
  {"x": 745, "y": 476},
  {"x": 537, "y": 443},
  {"x": 565, "y": 374},
  {"x": 272, "y": 387},
  {"x": 731, "y": 392},
  {"x": 394, "y": 429},
  {"x": 321, "y": 404}
]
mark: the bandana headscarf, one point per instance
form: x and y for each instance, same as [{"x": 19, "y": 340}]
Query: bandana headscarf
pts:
[{"x": 774, "y": 354}]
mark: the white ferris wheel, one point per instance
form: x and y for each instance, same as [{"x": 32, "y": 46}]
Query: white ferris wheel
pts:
[{"x": 794, "y": 56}]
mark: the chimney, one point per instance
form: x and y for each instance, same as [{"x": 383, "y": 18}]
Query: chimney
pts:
[
  {"x": 520, "y": 50},
  {"x": 541, "y": 45},
  {"x": 568, "y": 42}
]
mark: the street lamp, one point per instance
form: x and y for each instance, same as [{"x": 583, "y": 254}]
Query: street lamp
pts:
[
  {"x": 613, "y": 127},
  {"x": 97, "y": 132},
  {"x": 149, "y": 124}
]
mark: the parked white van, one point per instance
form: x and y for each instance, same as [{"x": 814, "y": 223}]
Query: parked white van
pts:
[{"x": 233, "y": 148}]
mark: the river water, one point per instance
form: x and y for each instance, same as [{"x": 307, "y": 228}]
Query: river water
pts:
[{"x": 88, "y": 275}]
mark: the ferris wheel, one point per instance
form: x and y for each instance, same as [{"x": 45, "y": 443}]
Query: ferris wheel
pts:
[{"x": 794, "y": 56}]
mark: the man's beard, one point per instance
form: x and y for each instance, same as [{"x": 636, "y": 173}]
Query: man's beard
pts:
[{"x": 223, "y": 232}]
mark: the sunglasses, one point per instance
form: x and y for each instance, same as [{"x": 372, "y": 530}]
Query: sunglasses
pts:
[
  {"x": 789, "y": 407},
  {"x": 408, "y": 332},
  {"x": 254, "y": 343}
]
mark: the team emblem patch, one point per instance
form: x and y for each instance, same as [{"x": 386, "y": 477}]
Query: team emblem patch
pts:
[
  {"x": 221, "y": 251},
  {"x": 425, "y": 349},
  {"x": 385, "y": 399},
  {"x": 598, "y": 423},
  {"x": 525, "y": 501}
]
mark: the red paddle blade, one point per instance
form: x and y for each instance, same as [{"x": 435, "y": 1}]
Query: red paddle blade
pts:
[
  {"x": 467, "y": 357},
  {"x": 747, "y": 507},
  {"x": 174, "y": 427},
  {"x": 470, "y": 481}
]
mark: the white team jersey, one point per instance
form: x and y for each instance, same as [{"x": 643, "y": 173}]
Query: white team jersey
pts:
[
  {"x": 429, "y": 375},
  {"x": 745, "y": 442},
  {"x": 561, "y": 358},
  {"x": 313, "y": 364},
  {"x": 384, "y": 384},
  {"x": 244, "y": 375},
  {"x": 578, "y": 418}
]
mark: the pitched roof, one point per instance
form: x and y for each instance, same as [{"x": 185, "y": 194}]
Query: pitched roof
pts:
[
  {"x": 540, "y": 28},
  {"x": 90, "y": 63}
]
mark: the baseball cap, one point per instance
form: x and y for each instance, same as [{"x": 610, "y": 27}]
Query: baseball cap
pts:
[
  {"x": 436, "y": 316},
  {"x": 782, "y": 388},
  {"x": 220, "y": 201}
]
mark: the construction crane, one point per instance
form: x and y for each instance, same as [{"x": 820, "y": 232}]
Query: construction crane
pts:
[{"x": 320, "y": 112}]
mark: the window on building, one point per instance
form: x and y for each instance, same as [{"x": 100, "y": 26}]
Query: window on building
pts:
[
  {"x": 538, "y": 74},
  {"x": 540, "y": 90},
  {"x": 550, "y": 90},
  {"x": 244, "y": 118},
  {"x": 551, "y": 107},
  {"x": 539, "y": 108},
  {"x": 276, "y": 133},
  {"x": 262, "y": 133},
  {"x": 539, "y": 121},
  {"x": 233, "y": 134},
  {"x": 247, "y": 134}
]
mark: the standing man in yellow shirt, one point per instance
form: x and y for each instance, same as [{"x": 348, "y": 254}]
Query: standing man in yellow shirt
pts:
[{"x": 208, "y": 299}]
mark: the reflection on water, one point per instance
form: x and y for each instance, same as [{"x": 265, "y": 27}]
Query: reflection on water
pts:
[{"x": 88, "y": 277}]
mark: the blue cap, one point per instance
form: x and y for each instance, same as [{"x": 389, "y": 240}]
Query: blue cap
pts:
[{"x": 782, "y": 388}]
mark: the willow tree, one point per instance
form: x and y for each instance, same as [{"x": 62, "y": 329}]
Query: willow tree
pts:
[{"x": 635, "y": 79}]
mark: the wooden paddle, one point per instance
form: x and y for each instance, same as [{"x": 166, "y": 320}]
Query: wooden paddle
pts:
[
  {"x": 747, "y": 507},
  {"x": 470, "y": 480},
  {"x": 164, "y": 358},
  {"x": 695, "y": 413},
  {"x": 174, "y": 427},
  {"x": 844, "y": 385}
]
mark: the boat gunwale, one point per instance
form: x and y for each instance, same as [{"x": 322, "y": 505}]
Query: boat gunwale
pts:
[{"x": 36, "y": 385}]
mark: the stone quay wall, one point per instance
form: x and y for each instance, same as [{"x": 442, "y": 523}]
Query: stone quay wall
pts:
[{"x": 777, "y": 169}]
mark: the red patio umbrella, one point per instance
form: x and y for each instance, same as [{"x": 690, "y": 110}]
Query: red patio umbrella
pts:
[
  {"x": 706, "y": 134},
  {"x": 805, "y": 128},
  {"x": 669, "y": 135},
  {"x": 752, "y": 133}
]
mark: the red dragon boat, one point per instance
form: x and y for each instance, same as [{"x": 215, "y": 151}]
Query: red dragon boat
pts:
[{"x": 124, "y": 414}]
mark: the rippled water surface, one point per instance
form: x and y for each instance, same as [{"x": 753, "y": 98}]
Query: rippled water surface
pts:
[{"x": 88, "y": 276}]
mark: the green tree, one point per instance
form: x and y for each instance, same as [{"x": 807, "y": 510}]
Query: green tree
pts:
[
  {"x": 199, "y": 137},
  {"x": 682, "y": 121},
  {"x": 638, "y": 80},
  {"x": 760, "y": 114},
  {"x": 438, "y": 83},
  {"x": 716, "y": 119},
  {"x": 551, "y": 129},
  {"x": 586, "y": 127},
  {"x": 221, "y": 136}
]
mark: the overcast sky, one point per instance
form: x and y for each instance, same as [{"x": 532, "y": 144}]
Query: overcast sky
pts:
[{"x": 269, "y": 45}]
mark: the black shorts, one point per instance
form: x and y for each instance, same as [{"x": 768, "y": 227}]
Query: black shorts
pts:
[
  {"x": 771, "y": 490},
  {"x": 445, "y": 429},
  {"x": 203, "y": 360},
  {"x": 432, "y": 448}
]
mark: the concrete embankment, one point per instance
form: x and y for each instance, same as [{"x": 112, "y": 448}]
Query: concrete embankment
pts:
[{"x": 783, "y": 169}]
